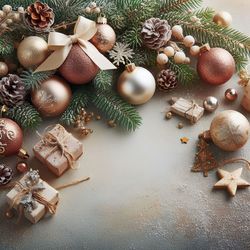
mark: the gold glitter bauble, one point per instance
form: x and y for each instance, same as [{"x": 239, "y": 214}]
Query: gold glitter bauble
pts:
[
  {"x": 3, "y": 69},
  {"x": 105, "y": 37},
  {"x": 53, "y": 97},
  {"x": 223, "y": 19},
  {"x": 136, "y": 85},
  {"x": 32, "y": 51},
  {"x": 230, "y": 130}
]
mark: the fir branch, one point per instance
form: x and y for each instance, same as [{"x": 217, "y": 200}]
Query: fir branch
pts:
[
  {"x": 103, "y": 80},
  {"x": 122, "y": 113},
  {"x": 33, "y": 80},
  {"x": 6, "y": 45},
  {"x": 132, "y": 37},
  {"x": 26, "y": 116},
  {"x": 180, "y": 5},
  {"x": 80, "y": 100}
]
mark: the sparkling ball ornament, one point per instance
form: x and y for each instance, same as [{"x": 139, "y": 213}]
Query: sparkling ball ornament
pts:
[
  {"x": 210, "y": 104},
  {"x": 32, "y": 51},
  {"x": 11, "y": 138},
  {"x": 78, "y": 68},
  {"x": 216, "y": 66},
  {"x": 231, "y": 95},
  {"x": 6, "y": 175},
  {"x": 53, "y": 97},
  {"x": 223, "y": 19},
  {"x": 230, "y": 130},
  {"x": 162, "y": 59},
  {"x": 3, "y": 69},
  {"x": 105, "y": 37},
  {"x": 136, "y": 85}
]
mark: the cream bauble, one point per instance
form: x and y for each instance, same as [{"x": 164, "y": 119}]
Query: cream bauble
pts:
[
  {"x": 162, "y": 59},
  {"x": 136, "y": 85},
  {"x": 223, "y": 19},
  {"x": 52, "y": 97},
  {"x": 230, "y": 130},
  {"x": 32, "y": 51}
]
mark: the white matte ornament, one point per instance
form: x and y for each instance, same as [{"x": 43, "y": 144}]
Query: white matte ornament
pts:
[
  {"x": 169, "y": 51},
  {"x": 179, "y": 57},
  {"x": 162, "y": 59},
  {"x": 194, "y": 50},
  {"x": 189, "y": 41}
]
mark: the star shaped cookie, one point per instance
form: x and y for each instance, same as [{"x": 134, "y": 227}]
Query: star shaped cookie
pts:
[{"x": 231, "y": 180}]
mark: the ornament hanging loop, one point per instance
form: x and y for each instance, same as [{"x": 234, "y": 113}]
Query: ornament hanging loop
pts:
[{"x": 236, "y": 160}]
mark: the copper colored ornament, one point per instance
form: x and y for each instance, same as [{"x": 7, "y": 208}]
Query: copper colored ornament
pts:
[
  {"x": 78, "y": 68},
  {"x": 216, "y": 66},
  {"x": 53, "y": 97},
  {"x": 32, "y": 51},
  {"x": 22, "y": 167},
  {"x": 3, "y": 69},
  {"x": 230, "y": 130},
  {"x": 11, "y": 137},
  {"x": 231, "y": 95},
  {"x": 105, "y": 37}
]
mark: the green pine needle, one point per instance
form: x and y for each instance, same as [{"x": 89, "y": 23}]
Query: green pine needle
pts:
[{"x": 103, "y": 80}]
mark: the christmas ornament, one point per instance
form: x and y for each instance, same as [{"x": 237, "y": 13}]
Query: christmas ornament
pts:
[
  {"x": 39, "y": 17},
  {"x": 156, "y": 33},
  {"x": 210, "y": 104},
  {"x": 194, "y": 50},
  {"x": 121, "y": 54},
  {"x": 223, "y": 19},
  {"x": 177, "y": 32},
  {"x": 11, "y": 137},
  {"x": 231, "y": 181},
  {"x": 12, "y": 91},
  {"x": 229, "y": 130},
  {"x": 3, "y": 69},
  {"x": 162, "y": 59},
  {"x": 32, "y": 51},
  {"x": 136, "y": 85},
  {"x": 105, "y": 37},
  {"x": 167, "y": 80},
  {"x": 188, "y": 41},
  {"x": 179, "y": 57},
  {"x": 52, "y": 97},
  {"x": 6, "y": 175},
  {"x": 22, "y": 167},
  {"x": 231, "y": 95},
  {"x": 215, "y": 66}
]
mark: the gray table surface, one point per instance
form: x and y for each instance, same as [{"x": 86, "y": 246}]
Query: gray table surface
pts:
[{"x": 142, "y": 194}]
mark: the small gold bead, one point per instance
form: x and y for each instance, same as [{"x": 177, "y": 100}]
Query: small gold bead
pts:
[
  {"x": 169, "y": 115},
  {"x": 112, "y": 124},
  {"x": 180, "y": 125},
  {"x": 9, "y": 214},
  {"x": 98, "y": 117}
]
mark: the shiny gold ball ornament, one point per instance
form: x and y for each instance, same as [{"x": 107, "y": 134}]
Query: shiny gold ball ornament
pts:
[
  {"x": 3, "y": 69},
  {"x": 52, "y": 97},
  {"x": 230, "y": 130},
  {"x": 78, "y": 68},
  {"x": 210, "y": 104},
  {"x": 136, "y": 85},
  {"x": 105, "y": 37},
  {"x": 231, "y": 94},
  {"x": 11, "y": 137},
  {"x": 215, "y": 66},
  {"x": 32, "y": 51},
  {"x": 223, "y": 19}
]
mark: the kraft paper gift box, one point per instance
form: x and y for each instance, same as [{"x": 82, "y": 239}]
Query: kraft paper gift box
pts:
[
  {"x": 34, "y": 196},
  {"x": 59, "y": 151}
]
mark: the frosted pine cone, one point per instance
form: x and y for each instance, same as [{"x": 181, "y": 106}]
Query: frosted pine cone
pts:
[
  {"x": 12, "y": 91},
  {"x": 156, "y": 33},
  {"x": 6, "y": 175},
  {"x": 167, "y": 80}
]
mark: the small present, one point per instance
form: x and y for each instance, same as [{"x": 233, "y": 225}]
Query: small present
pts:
[
  {"x": 58, "y": 150},
  {"x": 33, "y": 197}
]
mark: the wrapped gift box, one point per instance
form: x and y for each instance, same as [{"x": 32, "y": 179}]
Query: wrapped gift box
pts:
[
  {"x": 58, "y": 150},
  {"x": 34, "y": 196}
]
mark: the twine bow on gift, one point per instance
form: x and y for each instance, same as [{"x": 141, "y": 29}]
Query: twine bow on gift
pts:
[
  {"x": 61, "y": 44},
  {"x": 192, "y": 108}
]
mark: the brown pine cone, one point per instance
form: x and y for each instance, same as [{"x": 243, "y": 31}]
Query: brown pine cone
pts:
[
  {"x": 167, "y": 80},
  {"x": 39, "y": 16},
  {"x": 156, "y": 33},
  {"x": 6, "y": 175},
  {"x": 12, "y": 91}
]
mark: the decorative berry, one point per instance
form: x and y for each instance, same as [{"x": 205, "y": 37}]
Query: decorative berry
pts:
[
  {"x": 169, "y": 51},
  {"x": 6, "y": 175},
  {"x": 177, "y": 32},
  {"x": 195, "y": 50},
  {"x": 179, "y": 57},
  {"x": 189, "y": 41},
  {"x": 162, "y": 59},
  {"x": 167, "y": 80}
]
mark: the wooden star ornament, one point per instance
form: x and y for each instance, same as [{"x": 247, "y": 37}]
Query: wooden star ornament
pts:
[{"x": 231, "y": 181}]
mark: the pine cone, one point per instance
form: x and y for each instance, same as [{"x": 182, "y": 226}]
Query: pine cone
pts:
[
  {"x": 156, "y": 33},
  {"x": 6, "y": 174},
  {"x": 39, "y": 16},
  {"x": 167, "y": 80},
  {"x": 12, "y": 91}
]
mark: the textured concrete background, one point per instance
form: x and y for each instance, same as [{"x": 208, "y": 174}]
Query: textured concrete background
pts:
[{"x": 142, "y": 194}]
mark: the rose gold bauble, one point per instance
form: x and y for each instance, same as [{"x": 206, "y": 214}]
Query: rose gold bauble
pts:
[
  {"x": 78, "y": 68},
  {"x": 231, "y": 95},
  {"x": 230, "y": 130},
  {"x": 53, "y": 97},
  {"x": 216, "y": 66},
  {"x": 11, "y": 137},
  {"x": 32, "y": 51},
  {"x": 105, "y": 37}
]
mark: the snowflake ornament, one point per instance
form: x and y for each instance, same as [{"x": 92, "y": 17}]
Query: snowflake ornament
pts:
[{"x": 121, "y": 54}]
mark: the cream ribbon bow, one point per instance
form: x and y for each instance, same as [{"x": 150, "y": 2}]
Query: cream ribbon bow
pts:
[{"x": 61, "y": 44}]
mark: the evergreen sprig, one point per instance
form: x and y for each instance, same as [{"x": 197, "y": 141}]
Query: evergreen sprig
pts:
[{"x": 103, "y": 80}]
